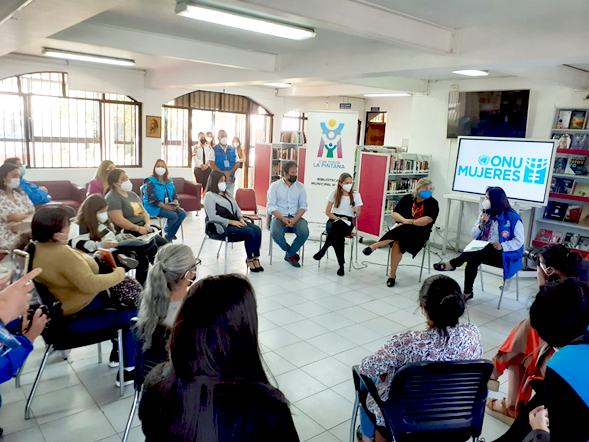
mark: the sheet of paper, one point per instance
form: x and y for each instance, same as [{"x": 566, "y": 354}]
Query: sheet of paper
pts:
[
  {"x": 348, "y": 223},
  {"x": 476, "y": 245}
]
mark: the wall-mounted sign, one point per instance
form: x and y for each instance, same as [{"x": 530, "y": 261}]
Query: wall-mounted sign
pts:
[
  {"x": 345, "y": 105},
  {"x": 375, "y": 109}
]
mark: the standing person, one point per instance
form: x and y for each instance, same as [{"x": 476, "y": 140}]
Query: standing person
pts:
[
  {"x": 38, "y": 195},
  {"x": 502, "y": 227},
  {"x": 15, "y": 205},
  {"x": 415, "y": 216},
  {"x": 214, "y": 388},
  {"x": 160, "y": 199},
  {"x": 239, "y": 173},
  {"x": 210, "y": 138},
  {"x": 221, "y": 207},
  {"x": 343, "y": 207},
  {"x": 287, "y": 202},
  {"x": 99, "y": 183},
  {"x": 225, "y": 160},
  {"x": 201, "y": 155}
]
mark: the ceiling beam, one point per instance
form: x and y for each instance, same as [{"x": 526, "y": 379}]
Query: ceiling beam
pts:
[
  {"x": 170, "y": 47},
  {"x": 564, "y": 75}
]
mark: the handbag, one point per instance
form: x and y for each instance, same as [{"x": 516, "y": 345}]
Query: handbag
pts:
[{"x": 126, "y": 293}]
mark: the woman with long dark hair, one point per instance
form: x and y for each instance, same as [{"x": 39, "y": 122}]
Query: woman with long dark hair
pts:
[
  {"x": 215, "y": 388},
  {"x": 15, "y": 205},
  {"x": 343, "y": 207},
  {"x": 502, "y": 227}
]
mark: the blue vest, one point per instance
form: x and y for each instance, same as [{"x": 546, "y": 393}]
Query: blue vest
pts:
[
  {"x": 161, "y": 191},
  {"x": 512, "y": 261},
  {"x": 221, "y": 155}
]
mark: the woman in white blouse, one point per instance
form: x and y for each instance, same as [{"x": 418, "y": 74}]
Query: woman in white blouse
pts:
[
  {"x": 343, "y": 206},
  {"x": 444, "y": 339},
  {"x": 15, "y": 205}
]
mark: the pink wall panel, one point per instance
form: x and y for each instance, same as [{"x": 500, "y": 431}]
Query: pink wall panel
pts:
[
  {"x": 373, "y": 175},
  {"x": 302, "y": 163},
  {"x": 262, "y": 172}
]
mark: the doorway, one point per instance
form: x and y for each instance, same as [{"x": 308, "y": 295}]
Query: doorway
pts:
[{"x": 375, "y": 128}]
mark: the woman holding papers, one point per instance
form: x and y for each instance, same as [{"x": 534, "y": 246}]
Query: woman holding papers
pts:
[
  {"x": 343, "y": 206},
  {"x": 502, "y": 228}
]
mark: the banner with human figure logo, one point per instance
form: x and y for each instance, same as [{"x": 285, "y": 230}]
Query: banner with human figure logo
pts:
[
  {"x": 523, "y": 168},
  {"x": 331, "y": 149}
]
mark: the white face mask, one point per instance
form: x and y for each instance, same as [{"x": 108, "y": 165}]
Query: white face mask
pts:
[
  {"x": 14, "y": 183},
  {"x": 347, "y": 187},
  {"x": 22, "y": 171},
  {"x": 486, "y": 204},
  {"x": 236, "y": 144},
  {"x": 127, "y": 186},
  {"x": 223, "y": 141},
  {"x": 61, "y": 238},
  {"x": 102, "y": 217},
  {"x": 222, "y": 187},
  {"x": 209, "y": 139},
  {"x": 160, "y": 171}
]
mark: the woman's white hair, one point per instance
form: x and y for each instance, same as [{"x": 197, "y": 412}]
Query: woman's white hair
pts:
[
  {"x": 424, "y": 182},
  {"x": 169, "y": 266}
]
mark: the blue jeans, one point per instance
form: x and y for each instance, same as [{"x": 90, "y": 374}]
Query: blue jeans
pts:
[
  {"x": 300, "y": 229},
  {"x": 251, "y": 235},
  {"x": 175, "y": 218}
]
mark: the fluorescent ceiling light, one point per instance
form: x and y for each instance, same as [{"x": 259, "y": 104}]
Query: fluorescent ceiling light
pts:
[
  {"x": 386, "y": 95},
  {"x": 278, "y": 85},
  {"x": 245, "y": 22},
  {"x": 67, "y": 55},
  {"x": 472, "y": 73}
]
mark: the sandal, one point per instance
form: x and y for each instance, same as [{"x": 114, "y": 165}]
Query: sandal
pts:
[
  {"x": 257, "y": 264},
  {"x": 441, "y": 267},
  {"x": 493, "y": 385},
  {"x": 505, "y": 414},
  {"x": 390, "y": 282},
  {"x": 251, "y": 265}
]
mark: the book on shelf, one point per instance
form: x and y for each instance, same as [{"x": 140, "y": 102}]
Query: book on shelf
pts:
[
  {"x": 580, "y": 142},
  {"x": 564, "y": 119},
  {"x": 556, "y": 237},
  {"x": 584, "y": 221},
  {"x": 563, "y": 186},
  {"x": 573, "y": 213},
  {"x": 389, "y": 205},
  {"x": 544, "y": 236},
  {"x": 293, "y": 137},
  {"x": 571, "y": 240},
  {"x": 577, "y": 120},
  {"x": 576, "y": 165},
  {"x": 555, "y": 210},
  {"x": 560, "y": 164},
  {"x": 581, "y": 189},
  {"x": 404, "y": 165},
  {"x": 564, "y": 140},
  {"x": 583, "y": 244}
]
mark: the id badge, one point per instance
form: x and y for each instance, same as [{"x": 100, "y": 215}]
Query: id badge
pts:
[{"x": 227, "y": 164}]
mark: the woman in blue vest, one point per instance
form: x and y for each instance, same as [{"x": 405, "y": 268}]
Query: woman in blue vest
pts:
[
  {"x": 502, "y": 227},
  {"x": 160, "y": 199}
]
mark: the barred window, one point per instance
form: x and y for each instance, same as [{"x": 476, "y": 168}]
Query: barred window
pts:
[{"x": 49, "y": 126}]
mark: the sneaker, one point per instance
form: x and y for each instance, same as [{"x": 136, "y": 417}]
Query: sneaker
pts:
[
  {"x": 467, "y": 296},
  {"x": 113, "y": 360},
  {"x": 129, "y": 378},
  {"x": 130, "y": 263},
  {"x": 367, "y": 251},
  {"x": 292, "y": 260}
]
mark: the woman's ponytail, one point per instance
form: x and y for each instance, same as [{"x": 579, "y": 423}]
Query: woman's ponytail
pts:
[{"x": 442, "y": 300}]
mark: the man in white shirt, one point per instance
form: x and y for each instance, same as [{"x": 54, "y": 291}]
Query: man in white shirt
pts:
[
  {"x": 201, "y": 155},
  {"x": 287, "y": 202}
]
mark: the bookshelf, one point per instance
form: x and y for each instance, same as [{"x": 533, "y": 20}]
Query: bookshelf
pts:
[{"x": 384, "y": 176}]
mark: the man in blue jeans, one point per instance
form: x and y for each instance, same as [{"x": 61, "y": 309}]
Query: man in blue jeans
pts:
[{"x": 287, "y": 202}]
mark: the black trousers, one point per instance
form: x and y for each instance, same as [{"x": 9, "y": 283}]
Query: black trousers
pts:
[
  {"x": 202, "y": 176},
  {"x": 489, "y": 255},
  {"x": 336, "y": 237},
  {"x": 251, "y": 234},
  {"x": 144, "y": 254}
]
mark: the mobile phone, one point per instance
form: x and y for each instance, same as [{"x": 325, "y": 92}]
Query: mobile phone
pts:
[{"x": 20, "y": 265}]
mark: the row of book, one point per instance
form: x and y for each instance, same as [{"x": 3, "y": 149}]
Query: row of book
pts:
[
  {"x": 401, "y": 165},
  {"x": 402, "y": 186},
  {"x": 389, "y": 205},
  {"x": 573, "y": 165},
  {"x": 285, "y": 154},
  {"x": 572, "y": 141},
  {"x": 276, "y": 170},
  {"x": 569, "y": 240},
  {"x": 570, "y": 213},
  {"x": 568, "y": 186},
  {"x": 571, "y": 119},
  {"x": 293, "y": 137}
]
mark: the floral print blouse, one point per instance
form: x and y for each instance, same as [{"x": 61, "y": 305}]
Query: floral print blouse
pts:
[
  {"x": 21, "y": 205},
  {"x": 463, "y": 342}
]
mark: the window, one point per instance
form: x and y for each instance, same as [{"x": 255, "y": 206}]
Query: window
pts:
[
  {"x": 294, "y": 121},
  {"x": 49, "y": 126}
]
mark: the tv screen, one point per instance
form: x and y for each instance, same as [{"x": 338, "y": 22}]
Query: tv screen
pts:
[
  {"x": 522, "y": 168},
  {"x": 488, "y": 114}
]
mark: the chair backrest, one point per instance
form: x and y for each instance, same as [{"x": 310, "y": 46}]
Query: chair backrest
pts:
[
  {"x": 246, "y": 200},
  {"x": 179, "y": 184},
  {"x": 146, "y": 360}
]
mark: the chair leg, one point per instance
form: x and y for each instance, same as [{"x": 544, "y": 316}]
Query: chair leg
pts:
[
  {"x": 501, "y": 296},
  {"x": 354, "y": 418},
  {"x": 121, "y": 362},
  {"x": 320, "y": 247},
  {"x": 202, "y": 245},
  {"x": 219, "y": 251},
  {"x": 429, "y": 258},
  {"x": 517, "y": 286},
  {"x": 422, "y": 262},
  {"x": 182, "y": 232},
  {"x": 36, "y": 383},
  {"x": 388, "y": 262},
  {"x": 351, "y": 253},
  {"x": 99, "y": 345},
  {"x": 131, "y": 415},
  {"x": 481, "y": 275},
  {"x": 303, "y": 257},
  {"x": 226, "y": 247},
  {"x": 18, "y": 373},
  {"x": 270, "y": 248}
]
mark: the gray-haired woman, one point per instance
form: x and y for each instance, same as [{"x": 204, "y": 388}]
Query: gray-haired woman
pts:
[
  {"x": 174, "y": 270},
  {"x": 415, "y": 215}
]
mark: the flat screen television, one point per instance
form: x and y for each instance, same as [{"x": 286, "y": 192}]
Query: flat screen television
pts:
[
  {"x": 488, "y": 114},
  {"x": 522, "y": 168}
]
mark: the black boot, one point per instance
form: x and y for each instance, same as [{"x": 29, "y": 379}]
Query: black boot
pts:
[
  {"x": 340, "y": 271},
  {"x": 321, "y": 253}
]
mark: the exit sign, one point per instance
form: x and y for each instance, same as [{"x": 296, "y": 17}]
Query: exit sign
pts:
[
  {"x": 345, "y": 105},
  {"x": 375, "y": 109}
]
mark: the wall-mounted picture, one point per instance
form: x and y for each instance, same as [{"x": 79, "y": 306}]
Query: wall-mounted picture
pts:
[{"x": 154, "y": 126}]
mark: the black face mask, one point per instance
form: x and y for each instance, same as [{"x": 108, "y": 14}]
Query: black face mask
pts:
[
  {"x": 202, "y": 140},
  {"x": 292, "y": 178}
]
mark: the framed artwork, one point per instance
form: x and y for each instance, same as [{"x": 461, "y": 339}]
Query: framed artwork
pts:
[{"x": 154, "y": 126}]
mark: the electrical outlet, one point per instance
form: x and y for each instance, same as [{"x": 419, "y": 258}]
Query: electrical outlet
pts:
[{"x": 439, "y": 228}]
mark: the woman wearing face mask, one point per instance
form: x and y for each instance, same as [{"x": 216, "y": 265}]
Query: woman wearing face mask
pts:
[
  {"x": 201, "y": 154},
  {"x": 502, "y": 227},
  {"x": 415, "y": 216},
  {"x": 99, "y": 183},
  {"x": 210, "y": 139},
  {"x": 236, "y": 143},
  {"x": 15, "y": 205},
  {"x": 160, "y": 199},
  {"x": 222, "y": 208},
  {"x": 343, "y": 206}
]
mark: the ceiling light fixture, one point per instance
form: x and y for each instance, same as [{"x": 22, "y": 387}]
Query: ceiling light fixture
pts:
[
  {"x": 242, "y": 21},
  {"x": 68, "y": 55},
  {"x": 472, "y": 73},
  {"x": 386, "y": 95},
  {"x": 278, "y": 85}
]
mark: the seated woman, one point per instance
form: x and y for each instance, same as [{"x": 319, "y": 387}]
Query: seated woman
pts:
[
  {"x": 96, "y": 231},
  {"x": 124, "y": 206},
  {"x": 343, "y": 206},
  {"x": 172, "y": 273},
  {"x": 15, "y": 205},
  {"x": 503, "y": 229},
  {"x": 99, "y": 183},
  {"x": 215, "y": 388},
  {"x": 415, "y": 216},
  {"x": 222, "y": 208},
  {"x": 444, "y": 339},
  {"x": 160, "y": 199},
  {"x": 72, "y": 277}
]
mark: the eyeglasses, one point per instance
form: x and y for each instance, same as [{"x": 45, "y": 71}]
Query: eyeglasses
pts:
[{"x": 192, "y": 269}]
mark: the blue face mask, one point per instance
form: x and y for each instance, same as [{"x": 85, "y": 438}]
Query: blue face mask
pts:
[{"x": 425, "y": 194}]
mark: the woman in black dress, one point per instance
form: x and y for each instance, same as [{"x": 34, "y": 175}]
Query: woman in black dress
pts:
[{"x": 415, "y": 216}]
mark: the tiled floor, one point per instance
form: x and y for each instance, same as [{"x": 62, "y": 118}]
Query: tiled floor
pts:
[{"x": 314, "y": 325}]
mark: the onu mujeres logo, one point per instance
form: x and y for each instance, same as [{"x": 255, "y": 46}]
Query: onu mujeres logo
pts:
[
  {"x": 331, "y": 140},
  {"x": 526, "y": 170}
]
